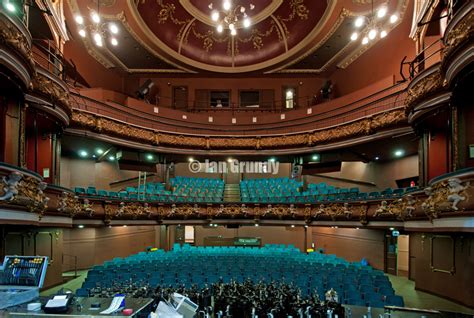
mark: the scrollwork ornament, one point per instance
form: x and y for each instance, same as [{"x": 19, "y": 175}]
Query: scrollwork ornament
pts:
[
  {"x": 69, "y": 204},
  {"x": 444, "y": 197}
]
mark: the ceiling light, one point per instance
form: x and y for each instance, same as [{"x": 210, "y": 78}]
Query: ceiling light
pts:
[
  {"x": 315, "y": 157},
  {"x": 220, "y": 28},
  {"x": 377, "y": 158},
  {"x": 392, "y": 228},
  {"x": 125, "y": 225},
  {"x": 383, "y": 34},
  {"x": 359, "y": 22},
  {"x": 372, "y": 34},
  {"x": 399, "y": 153},
  {"x": 393, "y": 18},
  {"x": 354, "y": 36},
  {"x": 79, "y": 19},
  {"x": 111, "y": 158},
  {"x": 80, "y": 226},
  {"x": 357, "y": 228},
  {"x": 272, "y": 159},
  {"x": 94, "y": 156},
  {"x": 82, "y": 33},
  {"x": 149, "y": 157},
  {"x": 99, "y": 151},
  {"x": 10, "y": 6},
  {"x": 83, "y": 153},
  {"x": 256, "y": 225},
  {"x": 230, "y": 160},
  {"x": 381, "y": 12},
  {"x": 246, "y": 22},
  {"x": 233, "y": 32},
  {"x": 190, "y": 159},
  {"x": 292, "y": 225},
  {"x": 113, "y": 28},
  {"x": 231, "y": 26},
  {"x": 215, "y": 16},
  {"x": 95, "y": 17},
  {"x": 114, "y": 41},
  {"x": 365, "y": 40},
  {"x": 227, "y": 5}
]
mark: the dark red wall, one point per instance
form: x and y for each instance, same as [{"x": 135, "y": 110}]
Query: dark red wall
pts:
[{"x": 437, "y": 153}]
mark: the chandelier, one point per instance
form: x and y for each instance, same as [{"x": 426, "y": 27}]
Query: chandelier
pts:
[
  {"x": 97, "y": 30},
  {"x": 231, "y": 17},
  {"x": 375, "y": 23}
]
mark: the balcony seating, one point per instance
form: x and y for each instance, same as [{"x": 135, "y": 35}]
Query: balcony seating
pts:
[{"x": 355, "y": 283}]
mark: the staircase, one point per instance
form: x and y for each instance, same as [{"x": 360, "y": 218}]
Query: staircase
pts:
[{"x": 232, "y": 192}]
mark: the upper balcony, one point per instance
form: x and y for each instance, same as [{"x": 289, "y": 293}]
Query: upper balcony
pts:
[{"x": 361, "y": 115}]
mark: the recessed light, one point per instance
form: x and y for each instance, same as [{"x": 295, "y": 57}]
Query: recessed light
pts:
[
  {"x": 392, "y": 229},
  {"x": 230, "y": 160},
  {"x": 113, "y": 28},
  {"x": 111, "y": 158},
  {"x": 190, "y": 159},
  {"x": 399, "y": 153},
  {"x": 149, "y": 157},
  {"x": 315, "y": 157},
  {"x": 125, "y": 225},
  {"x": 357, "y": 228},
  {"x": 80, "y": 226},
  {"x": 99, "y": 151},
  {"x": 292, "y": 225},
  {"x": 256, "y": 225},
  {"x": 354, "y": 36},
  {"x": 272, "y": 159},
  {"x": 83, "y": 153},
  {"x": 377, "y": 158}
]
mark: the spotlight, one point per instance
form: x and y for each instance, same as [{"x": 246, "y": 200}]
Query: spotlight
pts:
[
  {"x": 220, "y": 28},
  {"x": 393, "y": 18},
  {"x": 82, "y": 33},
  {"x": 354, "y": 36},
  {"x": 79, "y": 19},
  {"x": 399, "y": 153},
  {"x": 111, "y": 158},
  {"x": 383, "y": 34},
  {"x": 113, "y": 28},
  {"x": 80, "y": 226},
  {"x": 359, "y": 22},
  {"x": 144, "y": 90},
  {"x": 99, "y": 151},
  {"x": 149, "y": 157},
  {"x": 215, "y": 16},
  {"x": 372, "y": 34},
  {"x": 381, "y": 12},
  {"x": 83, "y": 153},
  {"x": 365, "y": 40},
  {"x": 315, "y": 157},
  {"x": 114, "y": 41}
]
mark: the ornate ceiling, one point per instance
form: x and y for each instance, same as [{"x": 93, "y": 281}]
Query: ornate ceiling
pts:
[{"x": 179, "y": 36}]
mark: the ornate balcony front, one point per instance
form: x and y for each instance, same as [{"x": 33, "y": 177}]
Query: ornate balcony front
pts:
[{"x": 15, "y": 48}]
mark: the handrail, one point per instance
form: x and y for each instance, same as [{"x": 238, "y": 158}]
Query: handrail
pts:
[
  {"x": 75, "y": 262},
  {"x": 50, "y": 59},
  {"x": 418, "y": 64},
  {"x": 336, "y": 116}
]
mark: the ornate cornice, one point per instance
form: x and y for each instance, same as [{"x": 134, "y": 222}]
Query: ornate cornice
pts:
[
  {"x": 461, "y": 31},
  {"x": 361, "y": 127},
  {"x": 425, "y": 85}
]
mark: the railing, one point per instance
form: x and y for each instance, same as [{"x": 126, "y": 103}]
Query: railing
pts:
[
  {"x": 427, "y": 57},
  {"x": 387, "y": 99},
  {"x": 49, "y": 57},
  {"x": 74, "y": 257}
]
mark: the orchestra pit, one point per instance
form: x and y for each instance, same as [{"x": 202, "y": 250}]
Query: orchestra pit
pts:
[{"x": 237, "y": 158}]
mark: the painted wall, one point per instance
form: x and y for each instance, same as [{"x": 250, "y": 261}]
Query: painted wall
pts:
[
  {"x": 93, "y": 246},
  {"x": 382, "y": 174},
  {"x": 351, "y": 244},
  {"x": 84, "y": 173},
  {"x": 458, "y": 286},
  {"x": 268, "y": 234}
]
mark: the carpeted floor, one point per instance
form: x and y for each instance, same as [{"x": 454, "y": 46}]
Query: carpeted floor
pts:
[{"x": 402, "y": 285}]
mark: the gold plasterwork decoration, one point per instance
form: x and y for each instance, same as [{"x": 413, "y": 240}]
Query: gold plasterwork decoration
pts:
[
  {"x": 362, "y": 127},
  {"x": 425, "y": 87},
  {"x": 31, "y": 194},
  {"x": 69, "y": 204},
  {"x": 17, "y": 41},
  {"x": 52, "y": 90},
  {"x": 462, "y": 32},
  {"x": 445, "y": 196}
]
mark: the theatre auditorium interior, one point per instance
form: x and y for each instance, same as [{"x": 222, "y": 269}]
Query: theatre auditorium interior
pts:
[{"x": 237, "y": 158}]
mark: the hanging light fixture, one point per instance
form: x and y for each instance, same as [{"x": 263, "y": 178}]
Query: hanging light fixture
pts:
[
  {"x": 375, "y": 25},
  {"x": 98, "y": 30},
  {"x": 230, "y": 16}
]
